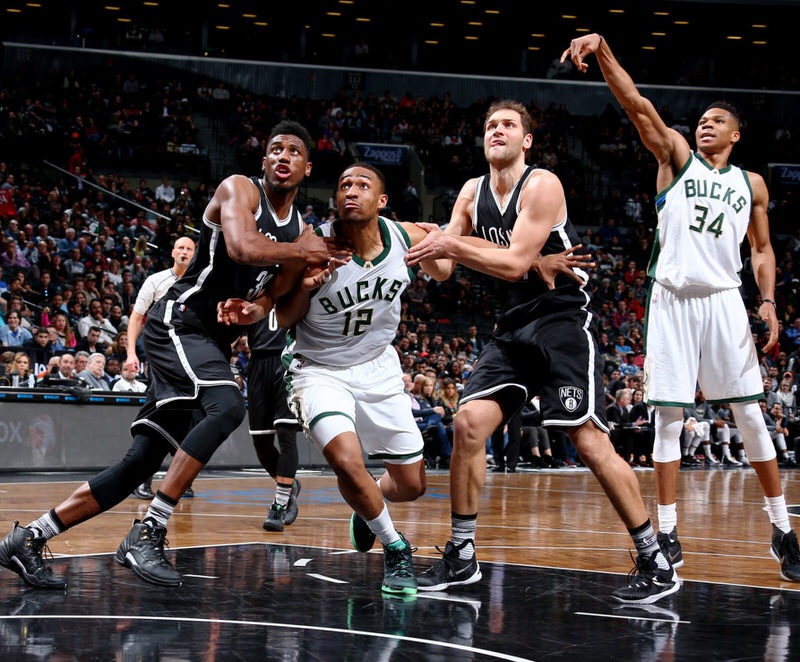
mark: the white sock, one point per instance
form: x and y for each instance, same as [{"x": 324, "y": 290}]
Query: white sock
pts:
[
  {"x": 726, "y": 451},
  {"x": 383, "y": 527},
  {"x": 778, "y": 515},
  {"x": 667, "y": 517}
]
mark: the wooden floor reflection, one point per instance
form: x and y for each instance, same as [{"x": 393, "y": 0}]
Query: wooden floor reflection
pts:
[
  {"x": 558, "y": 518},
  {"x": 551, "y": 547}
]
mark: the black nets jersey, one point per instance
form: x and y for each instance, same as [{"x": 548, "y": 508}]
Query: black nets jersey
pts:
[
  {"x": 528, "y": 298},
  {"x": 213, "y": 276},
  {"x": 266, "y": 335}
]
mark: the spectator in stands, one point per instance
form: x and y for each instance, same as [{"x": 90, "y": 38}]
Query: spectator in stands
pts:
[
  {"x": 66, "y": 368},
  {"x": 39, "y": 348},
  {"x": 21, "y": 374},
  {"x": 13, "y": 334},
  {"x": 165, "y": 192},
  {"x": 13, "y": 258},
  {"x": 92, "y": 343},
  {"x": 128, "y": 382},
  {"x": 81, "y": 361},
  {"x": 778, "y": 432},
  {"x": 94, "y": 374},
  {"x": 95, "y": 319}
]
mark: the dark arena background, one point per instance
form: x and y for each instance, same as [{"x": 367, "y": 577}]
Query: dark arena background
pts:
[{"x": 100, "y": 102}]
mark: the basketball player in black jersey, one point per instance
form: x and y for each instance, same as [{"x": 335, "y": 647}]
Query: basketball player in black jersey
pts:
[
  {"x": 545, "y": 344},
  {"x": 269, "y": 415},
  {"x": 189, "y": 353}
]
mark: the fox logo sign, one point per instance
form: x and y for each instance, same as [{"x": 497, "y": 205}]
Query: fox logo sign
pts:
[{"x": 571, "y": 397}]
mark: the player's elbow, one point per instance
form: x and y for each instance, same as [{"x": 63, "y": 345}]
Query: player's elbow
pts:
[{"x": 239, "y": 252}]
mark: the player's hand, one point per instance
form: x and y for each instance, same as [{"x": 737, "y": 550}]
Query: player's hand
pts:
[
  {"x": 581, "y": 47},
  {"x": 132, "y": 362},
  {"x": 318, "y": 250},
  {"x": 767, "y": 312},
  {"x": 316, "y": 276},
  {"x": 550, "y": 266},
  {"x": 240, "y": 311},
  {"x": 435, "y": 245}
]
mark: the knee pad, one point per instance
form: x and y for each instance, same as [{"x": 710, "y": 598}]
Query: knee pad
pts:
[
  {"x": 755, "y": 436},
  {"x": 225, "y": 410},
  {"x": 667, "y": 445},
  {"x": 287, "y": 440},
  {"x": 142, "y": 460}
]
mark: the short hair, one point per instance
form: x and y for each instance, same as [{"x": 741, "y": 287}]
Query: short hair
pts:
[
  {"x": 724, "y": 105},
  {"x": 525, "y": 116},
  {"x": 82, "y": 353},
  {"x": 371, "y": 168},
  {"x": 94, "y": 355},
  {"x": 292, "y": 128}
]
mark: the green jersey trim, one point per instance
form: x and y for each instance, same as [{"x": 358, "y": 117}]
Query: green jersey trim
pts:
[
  {"x": 744, "y": 398},
  {"x": 393, "y": 456},
  {"x": 661, "y": 197},
  {"x": 325, "y": 414},
  {"x": 666, "y": 403},
  {"x": 386, "y": 236},
  {"x": 712, "y": 168}
]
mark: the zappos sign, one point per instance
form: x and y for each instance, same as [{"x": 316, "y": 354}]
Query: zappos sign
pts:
[
  {"x": 387, "y": 155},
  {"x": 786, "y": 174}
]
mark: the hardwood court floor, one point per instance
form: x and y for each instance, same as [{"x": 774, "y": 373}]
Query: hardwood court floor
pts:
[{"x": 551, "y": 550}]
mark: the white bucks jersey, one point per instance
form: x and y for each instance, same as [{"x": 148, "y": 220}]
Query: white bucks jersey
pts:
[
  {"x": 702, "y": 220},
  {"x": 353, "y": 318}
]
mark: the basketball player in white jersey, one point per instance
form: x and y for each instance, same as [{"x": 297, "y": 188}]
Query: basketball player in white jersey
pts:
[
  {"x": 345, "y": 380},
  {"x": 697, "y": 325}
]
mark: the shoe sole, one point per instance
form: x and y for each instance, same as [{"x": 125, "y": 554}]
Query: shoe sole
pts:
[
  {"x": 476, "y": 577},
  {"x": 405, "y": 590},
  {"x": 784, "y": 576},
  {"x": 353, "y": 536},
  {"x": 130, "y": 562},
  {"x": 15, "y": 565},
  {"x": 270, "y": 526},
  {"x": 650, "y": 599}
]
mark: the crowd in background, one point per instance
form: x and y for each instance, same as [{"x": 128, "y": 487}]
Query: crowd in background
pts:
[{"x": 75, "y": 248}]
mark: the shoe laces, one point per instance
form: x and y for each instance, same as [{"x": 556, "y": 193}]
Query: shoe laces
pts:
[
  {"x": 39, "y": 552},
  {"x": 157, "y": 536},
  {"x": 644, "y": 567},
  {"x": 400, "y": 560}
]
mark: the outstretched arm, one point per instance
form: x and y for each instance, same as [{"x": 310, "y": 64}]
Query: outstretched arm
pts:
[
  {"x": 667, "y": 145},
  {"x": 762, "y": 256}
]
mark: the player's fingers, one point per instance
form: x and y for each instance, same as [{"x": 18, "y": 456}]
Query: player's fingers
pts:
[{"x": 564, "y": 54}]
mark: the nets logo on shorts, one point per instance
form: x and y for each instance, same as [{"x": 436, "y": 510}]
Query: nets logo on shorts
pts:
[{"x": 571, "y": 397}]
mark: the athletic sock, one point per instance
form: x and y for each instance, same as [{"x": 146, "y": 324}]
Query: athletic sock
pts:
[
  {"x": 644, "y": 538},
  {"x": 778, "y": 515},
  {"x": 47, "y": 526},
  {"x": 463, "y": 528},
  {"x": 383, "y": 527},
  {"x": 726, "y": 451},
  {"x": 667, "y": 517},
  {"x": 282, "y": 494},
  {"x": 707, "y": 449},
  {"x": 160, "y": 509}
]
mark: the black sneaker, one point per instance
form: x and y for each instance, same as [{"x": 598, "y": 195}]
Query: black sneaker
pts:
[
  {"x": 143, "y": 552},
  {"x": 671, "y": 547},
  {"x": 276, "y": 518},
  {"x": 398, "y": 569},
  {"x": 450, "y": 570},
  {"x": 189, "y": 493},
  {"x": 647, "y": 583},
  {"x": 144, "y": 491},
  {"x": 785, "y": 551},
  {"x": 360, "y": 534},
  {"x": 291, "y": 507},
  {"x": 21, "y": 552}
]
